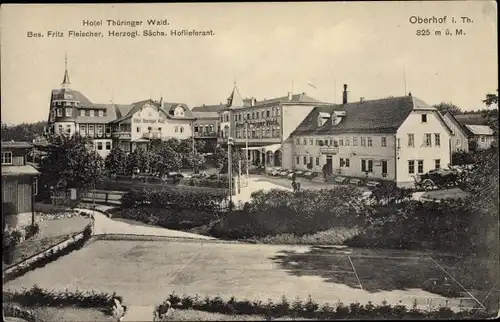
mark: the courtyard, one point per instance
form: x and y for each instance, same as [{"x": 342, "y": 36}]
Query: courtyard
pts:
[{"x": 145, "y": 272}]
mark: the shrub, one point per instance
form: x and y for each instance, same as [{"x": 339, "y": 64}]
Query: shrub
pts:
[
  {"x": 17, "y": 311},
  {"x": 32, "y": 230},
  {"x": 306, "y": 212},
  {"x": 451, "y": 225},
  {"x": 169, "y": 198},
  {"x": 310, "y": 309},
  {"x": 37, "y": 296}
]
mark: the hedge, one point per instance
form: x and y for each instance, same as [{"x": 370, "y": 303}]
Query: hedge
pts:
[
  {"x": 36, "y": 297},
  {"x": 49, "y": 256},
  {"x": 221, "y": 183},
  {"x": 17, "y": 311},
  {"x": 168, "y": 198},
  {"x": 305, "y": 212},
  {"x": 311, "y": 309},
  {"x": 451, "y": 226}
]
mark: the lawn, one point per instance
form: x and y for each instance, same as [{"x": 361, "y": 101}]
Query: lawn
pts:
[
  {"x": 70, "y": 314},
  {"x": 150, "y": 270},
  {"x": 52, "y": 232},
  {"x": 194, "y": 315}
]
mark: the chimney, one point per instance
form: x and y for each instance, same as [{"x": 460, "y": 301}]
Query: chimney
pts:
[
  {"x": 344, "y": 95},
  {"x": 361, "y": 99},
  {"x": 289, "y": 96}
]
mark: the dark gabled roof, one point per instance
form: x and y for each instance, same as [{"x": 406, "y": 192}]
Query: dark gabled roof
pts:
[
  {"x": 471, "y": 119},
  {"x": 66, "y": 93},
  {"x": 16, "y": 145},
  {"x": 208, "y": 108},
  {"x": 205, "y": 115},
  {"x": 168, "y": 108},
  {"x": 372, "y": 116},
  {"x": 464, "y": 129}
]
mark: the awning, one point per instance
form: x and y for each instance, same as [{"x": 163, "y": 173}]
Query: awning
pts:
[
  {"x": 19, "y": 170},
  {"x": 267, "y": 148}
]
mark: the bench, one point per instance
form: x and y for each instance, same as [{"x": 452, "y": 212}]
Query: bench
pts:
[
  {"x": 373, "y": 184},
  {"x": 356, "y": 182},
  {"x": 340, "y": 179}
]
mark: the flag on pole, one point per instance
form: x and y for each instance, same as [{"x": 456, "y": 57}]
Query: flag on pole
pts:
[{"x": 311, "y": 84}]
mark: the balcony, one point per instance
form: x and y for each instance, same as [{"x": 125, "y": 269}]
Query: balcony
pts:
[
  {"x": 121, "y": 135},
  {"x": 205, "y": 134},
  {"x": 152, "y": 135},
  {"x": 328, "y": 150}
]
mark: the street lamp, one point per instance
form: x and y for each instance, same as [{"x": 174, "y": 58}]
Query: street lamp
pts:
[
  {"x": 246, "y": 145},
  {"x": 230, "y": 143}
]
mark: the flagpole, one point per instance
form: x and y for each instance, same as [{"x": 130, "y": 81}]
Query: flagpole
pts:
[{"x": 334, "y": 91}]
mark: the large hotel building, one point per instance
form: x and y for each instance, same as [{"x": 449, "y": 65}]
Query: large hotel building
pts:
[{"x": 127, "y": 126}]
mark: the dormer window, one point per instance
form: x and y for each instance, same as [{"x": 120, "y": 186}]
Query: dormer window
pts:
[{"x": 424, "y": 118}]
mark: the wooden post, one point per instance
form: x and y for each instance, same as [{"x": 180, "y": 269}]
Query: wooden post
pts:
[{"x": 33, "y": 181}]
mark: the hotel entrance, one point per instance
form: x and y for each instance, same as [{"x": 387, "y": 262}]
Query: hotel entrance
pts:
[{"x": 329, "y": 164}]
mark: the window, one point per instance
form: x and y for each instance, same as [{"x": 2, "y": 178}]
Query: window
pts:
[
  {"x": 355, "y": 141},
  {"x": 347, "y": 142},
  {"x": 310, "y": 160},
  {"x": 384, "y": 141},
  {"x": 82, "y": 112},
  {"x": 458, "y": 142},
  {"x": 101, "y": 113},
  {"x": 420, "y": 168},
  {"x": 83, "y": 129},
  {"x": 437, "y": 139},
  {"x": 263, "y": 114},
  {"x": 399, "y": 143},
  {"x": 317, "y": 161},
  {"x": 176, "y": 129},
  {"x": 68, "y": 111},
  {"x": 317, "y": 142},
  {"x": 366, "y": 165},
  {"x": 363, "y": 142},
  {"x": 370, "y": 141},
  {"x": 311, "y": 142},
  {"x": 297, "y": 141},
  {"x": 91, "y": 129},
  {"x": 268, "y": 113},
  {"x": 99, "y": 145},
  {"x": 305, "y": 160},
  {"x": 108, "y": 145},
  {"x": 297, "y": 159},
  {"x": 411, "y": 166},
  {"x": 305, "y": 141},
  {"x": 384, "y": 167},
  {"x": 344, "y": 163},
  {"x": 149, "y": 129},
  {"x": 99, "y": 129},
  {"x": 59, "y": 112},
  {"x": 428, "y": 139},
  {"x": 411, "y": 140},
  {"x": 92, "y": 113},
  {"x": 87, "y": 112},
  {"x": 104, "y": 113},
  {"x": 424, "y": 118},
  {"x": 341, "y": 142},
  {"x": 483, "y": 139},
  {"x": 60, "y": 128},
  {"x": 138, "y": 129},
  {"x": 437, "y": 163},
  {"x": 68, "y": 129},
  {"x": 107, "y": 128},
  {"x": 7, "y": 157}
]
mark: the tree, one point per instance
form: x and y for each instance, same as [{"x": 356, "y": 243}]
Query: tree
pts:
[
  {"x": 491, "y": 99},
  {"x": 170, "y": 159},
  {"x": 219, "y": 158},
  {"x": 23, "y": 132},
  {"x": 195, "y": 160},
  {"x": 71, "y": 162},
  {"x": 237, "y": 156},
  {"x": 116, "y": 161},
  {"x": 444, "y": 107}
]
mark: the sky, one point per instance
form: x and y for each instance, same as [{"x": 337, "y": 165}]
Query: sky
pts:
[{"x": 269, "y": 49}]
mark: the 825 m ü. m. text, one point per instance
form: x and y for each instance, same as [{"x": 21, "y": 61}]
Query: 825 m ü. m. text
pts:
[{"x": 434, "y": 32}]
